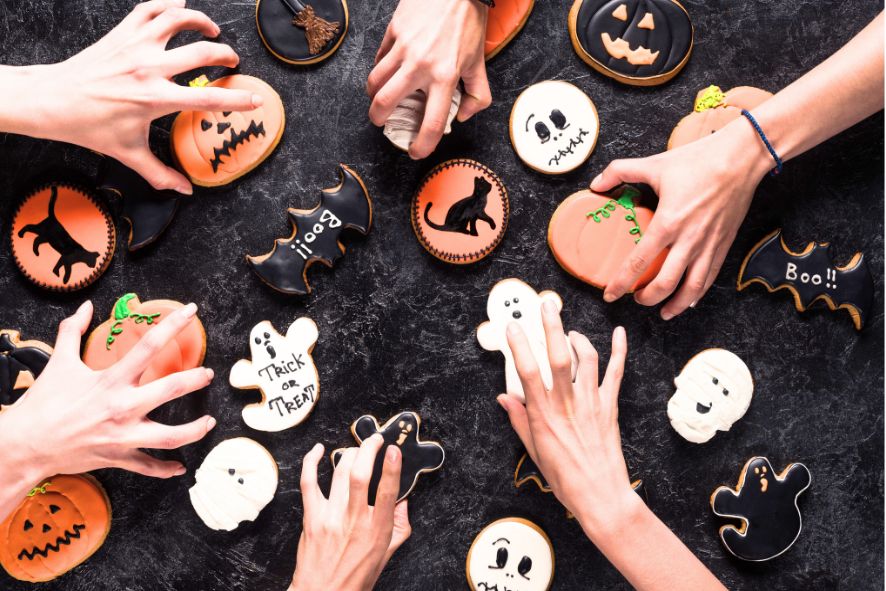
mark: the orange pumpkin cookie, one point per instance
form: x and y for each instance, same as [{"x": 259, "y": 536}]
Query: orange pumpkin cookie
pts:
[
  {"x": 130, "y": 320},
  {"x": 214, "y": 148},
  {"x": 460, "y": 211},
  {"x": 506, "y": 19},
  {"x": 63, "y": 237},
  {"x": 591, "y": 235},
  {"x": 56, "y": 527},
  {"x": 713, "y": 110}
]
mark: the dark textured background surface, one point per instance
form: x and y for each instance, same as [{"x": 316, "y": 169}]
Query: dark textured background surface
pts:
[{"x": 397, "y": 328}]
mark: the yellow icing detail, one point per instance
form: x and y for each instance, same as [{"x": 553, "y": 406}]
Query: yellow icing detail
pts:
[
  {"x": 711, "y": 97},
  {"x": 199, "y": 81}
]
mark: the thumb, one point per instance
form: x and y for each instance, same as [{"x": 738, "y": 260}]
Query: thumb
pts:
[
  {"x": 633, "y": 170},
  {"x": 477, "y": 95},
  {"x": 402, "y": 529},
  {"x": 156, "y": 173}
]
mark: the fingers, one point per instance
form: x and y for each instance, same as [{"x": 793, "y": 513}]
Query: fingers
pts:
[
  {"x": 527, "y": 368},
  {"x": 519, "y": 420},
  {"x": 389, "y": 96},
  {"x": 668, "y": 277},
  {"x": 156, "y": 436},
  {"x": 402, "y": 528},
  {"x": 387, "y": 43},
  {"x": 644, "y": 254},
  {"x": 615, "y": 370},
  {"x": 173, "y": 386},
  {"x": 436, "y": 117},
  {"x": 141, "y": 463},
  {"x": 211, "y": 98},
  {"x": 70, "y": 331},
  {"x": 477, "y": 95},
  {"x": 558, "y": 355},
  {"x": 693, "y": 288},
  {"x": 381, "y": 73},
  {"x": 338, "y": 491},
  {"x": 147, "y": 11},
  {"x": 155, "y": 172},
  {"x": 311, "y": 494},
  {"x": 632, "y": 170},
  {"x": 176, "y": 19},
  {"x": 388, "y": 490},
  {"x": 588, "y": 361},
  {"x": 198, "y": 55},
  {"x": 361, "y": 473},
  {"x": 140, "y": 356}
]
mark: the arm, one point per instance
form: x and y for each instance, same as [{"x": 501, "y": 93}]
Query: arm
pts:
[
  {"x": 705, "y": 188},
  {"x": 105, "y": 97},
  {"x": 571, "y": 432},
  {"x": 74, "y": 419}
]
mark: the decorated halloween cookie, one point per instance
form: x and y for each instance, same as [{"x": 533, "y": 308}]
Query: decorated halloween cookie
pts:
[
  {"x": 511, "y": 554},
  {"x": 60, "y": 524},
  {"x": 283, "y": 370},
  {"x": 316, "y": 235},
  {"x": 637, "y": 42},
  {"x": 21, "y": 362},
  {"x": 766, "y": 504},
  {"x": 402, "y": 430},
  {"x": 714, "y": 109},
  {"x": 505, "y": 19},
  {"x": 512, "y": 300},
  {"x": 405, "y": 121},
  {"x": 591, "y": 235},
  {"x": 302, "y": 32},
  {"x": 63, "y": 237},
  {"x": 713, "y": 391},
  {"x": 460, "y": 211},
  {"x": 148, "y": 211},
  {"x": 214, "y": 148},
  {"x": 554, "y": 127},
  {"x": 810, "y": 275},
  {"x": 130, "y": 320},
  {"x": 236, "y": 480}
]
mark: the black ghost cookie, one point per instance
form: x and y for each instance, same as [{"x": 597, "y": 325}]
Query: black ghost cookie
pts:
[
  {"x": 766, "y": 504},
  {"x": 401, "y": 430},
  {"x": 637, "y": 42},
  {"x": 316, "y": 235},
  {"x": 811, "y": 275},
  {"x": 21, "y": 362},
  {"x": 302, "y": 32}
]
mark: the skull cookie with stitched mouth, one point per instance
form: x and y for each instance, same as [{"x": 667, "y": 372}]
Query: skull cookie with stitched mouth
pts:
[
  {"x": 554, "y": 127},
  {"x": 511, "y": 554}
]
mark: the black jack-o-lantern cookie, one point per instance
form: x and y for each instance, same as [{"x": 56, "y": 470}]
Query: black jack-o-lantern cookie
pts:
[
  {"x": 637, "y": 42},
  {"x": 766, "y": 504},
  {"x": 302, "y": 32},
  {"x": 402, "y": 430},
  {"x": 63, "y": 237},
  {"x": 460, "y": 211},
  {"x": 21, "y": 362},
  {"x": 510, "y": 554}
]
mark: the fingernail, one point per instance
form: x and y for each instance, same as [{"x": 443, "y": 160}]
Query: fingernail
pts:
[
  {"x": 210, "y": 424},
  {"x": 666, "y": 315},
  {"x": 392, "y": 454},
  {"x": 608, "y": 297},
  {"x": 512, "y": 329},
  {"x": 318, "y": 448},
  {"x": 181, "y": 470},
  {"x": 692, "y": 305},
  {"x": 597, "y": 179},
  {"x": 190, "y": 310},
  {"x": 549, "y": 307},
  {"x": 257, "y": 100},
  {"x": 185, "y": 189},
  {"x": 501, "y": 401},
  {"x": 619, "y": 329},
  {"x": 83, "y": 306},
  {"x": 209, "y": 374}
]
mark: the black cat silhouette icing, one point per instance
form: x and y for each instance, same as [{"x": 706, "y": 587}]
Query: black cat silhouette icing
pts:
[
  {"x": 766, "y": 504},
  {"x": 316, "y": 235},
  {"x": 463, "y": 215},
  {"x": 21, "y": 362},
  {"x": 401, "y": 430},
  {"x": 51, "y": 231}
]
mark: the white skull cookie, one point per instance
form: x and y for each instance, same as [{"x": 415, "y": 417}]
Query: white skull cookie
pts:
[
  {"x": 282, "y": 368},
  {"x": 713, "y": 391},
  {"x": 511, "y": 554},
  {"x": 554, "y": 126}
]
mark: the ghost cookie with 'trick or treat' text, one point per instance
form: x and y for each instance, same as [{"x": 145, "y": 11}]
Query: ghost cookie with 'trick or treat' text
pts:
[{"x": 512, "y": 554}]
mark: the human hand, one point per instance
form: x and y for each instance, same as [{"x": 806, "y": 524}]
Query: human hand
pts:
[
  {"x": 345, "y": 542},
  {"x": 75, "y": 419},
  {"x": 105, "y": 97},
  {"x": 571, "y": 431},
  {"x": 705, "y": 189},
  {"x": 430, "y": 45}
]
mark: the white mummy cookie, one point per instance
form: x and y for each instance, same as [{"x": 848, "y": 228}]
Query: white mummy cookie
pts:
[
  {"x": 713, "y": 391},
  {"x": 404, "y": 122},
  {"x": 282, "y": 368},
  {"x": 554, "y": 127},
  {"x": 511, "y": 554},
  {"x": 512, "y": 300},
  {"x": 237, "y": 479}
]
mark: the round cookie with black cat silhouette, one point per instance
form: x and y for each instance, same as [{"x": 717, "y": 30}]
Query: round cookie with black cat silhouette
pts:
[
  {"x": 63, "y": 237},
  {"x": 460, "y": 211},
  {"x": 302, "y": 32}
]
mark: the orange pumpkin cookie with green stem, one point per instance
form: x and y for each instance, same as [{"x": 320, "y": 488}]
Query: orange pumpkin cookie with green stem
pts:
[
  {"x": 130, "y": 320},
  {"x": 214, "y": 148},
  {"x": 713, "y": 110},
  {"x": 59, "y": 525},
  {"x": 506, "y": 19}
]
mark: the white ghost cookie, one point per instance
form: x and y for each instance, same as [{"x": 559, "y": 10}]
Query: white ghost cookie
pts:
[
  {"x": 513, "y": 554},
  {"x": 713, "y": 391},
  {"x": 237, "y": 479},
  {"x": 512, "y": 300},
  {"x": 405, "y": 120},
  {"x": 554, "y": 126},
  {"x": 282, "y": 368}
]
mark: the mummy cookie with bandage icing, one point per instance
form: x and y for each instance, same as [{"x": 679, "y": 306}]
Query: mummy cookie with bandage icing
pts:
[
  {"x": 405, "y": 120},
  {"x": 283, "y": 370},
  {"x": 511, "y": 554},
  {"x": 236, "y": 481},
  {"x": 713, "y": 391},
  {"x": 512, "y": 300},
  {"x": 554, "y": 127}
]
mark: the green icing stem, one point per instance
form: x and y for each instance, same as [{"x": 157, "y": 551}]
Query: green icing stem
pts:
[
  {"x": 121, "y": 313},
  {"x": 40, "y": 489},
  {"x": 626, "y": 200},
  {"x": 711, "y": 98}
]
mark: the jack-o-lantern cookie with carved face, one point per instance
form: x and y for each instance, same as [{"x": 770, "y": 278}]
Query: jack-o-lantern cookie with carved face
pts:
[
  {"x": 56, "y": 527},
  {"x": 637, "y": 42},
  {"x": 714, "y": 109},
  {"x": 214, "y": 148}
]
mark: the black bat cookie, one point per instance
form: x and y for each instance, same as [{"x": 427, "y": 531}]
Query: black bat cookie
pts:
[
  {"x": 402, "y": 431},
  {"x": 315, "y": 235},
  {"x": 766, "y": 504},
  {"x": 21, "y": 362},
  {"x": 810, "y": 275},
  {"x": 148, "y": 211}
]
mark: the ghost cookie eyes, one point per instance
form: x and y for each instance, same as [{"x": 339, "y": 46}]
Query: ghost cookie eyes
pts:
[
  {"x": 513, "y": 554},
  {"x": 302, "y": 32}
]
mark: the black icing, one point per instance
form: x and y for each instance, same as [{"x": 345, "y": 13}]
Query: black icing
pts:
[
  {"x": 15, "y": 360},
  {"x": 527, "y": 471},
  {"x": 771, "y": 517},
  {"x": 671, "y": 37},
  {"x": 274, "y": 20},
  {"x": 346, "y": 207}
]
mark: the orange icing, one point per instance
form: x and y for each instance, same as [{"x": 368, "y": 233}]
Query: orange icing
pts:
[
  {"x": 506, "y": 19},
  {"x": 697, "y": 125}
]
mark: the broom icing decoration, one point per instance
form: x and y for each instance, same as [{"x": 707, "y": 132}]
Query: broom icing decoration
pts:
[{"x": 318, "y": 31}]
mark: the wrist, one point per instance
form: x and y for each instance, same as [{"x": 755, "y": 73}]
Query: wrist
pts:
[
  {"x": 22, "y": 111},
  {"x": 604, "y": 521},
  {"x": 746, "y": 150},
  {"x": 21, "y": 467}
]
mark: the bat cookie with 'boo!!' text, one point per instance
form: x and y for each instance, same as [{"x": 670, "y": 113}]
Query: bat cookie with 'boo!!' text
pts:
[
  {"x": 283, "y": 370},
  {"x": 316, "y": 235}
]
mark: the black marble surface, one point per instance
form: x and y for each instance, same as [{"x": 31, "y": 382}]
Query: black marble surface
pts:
[{"x": 397, "y": 327}]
